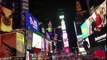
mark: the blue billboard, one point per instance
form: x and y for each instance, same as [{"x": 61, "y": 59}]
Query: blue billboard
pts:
[{"x": 31, "y": 22}]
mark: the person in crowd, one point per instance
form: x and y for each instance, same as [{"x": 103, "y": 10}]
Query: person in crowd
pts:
[
  {"x": 85, "y": 45},
  {"x": 103, "y": 15}
]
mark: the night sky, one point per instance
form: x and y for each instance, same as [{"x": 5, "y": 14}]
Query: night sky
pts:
[{"x": 49, "y": 10}]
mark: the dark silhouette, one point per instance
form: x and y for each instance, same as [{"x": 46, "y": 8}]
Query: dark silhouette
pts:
[{"x": 85, "y": 45}]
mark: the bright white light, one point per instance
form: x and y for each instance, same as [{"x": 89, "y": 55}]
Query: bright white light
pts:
[
  {"x": 81, "y": 49},
  {"x": 63, "y": 25},
  {"x": 61, "y": 17},
  {"x": 36, "y": 41},
  {"x": 64, "y": 35},
  {"x": 88, "y": 42}
]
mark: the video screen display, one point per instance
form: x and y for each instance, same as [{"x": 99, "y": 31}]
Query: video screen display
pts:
[
  {"x": 84, "y": 29},
  {"x": 99, "y": 17},
  {"x": 95, "y": 26},
  {"x": 36, "y": 41},
  {"x": 96, "y": 22}
]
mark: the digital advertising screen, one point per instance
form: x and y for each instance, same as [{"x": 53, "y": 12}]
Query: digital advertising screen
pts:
[
  {"x": 31, "y": 22},
  {"x": 84, "y": 29},
  {"x": 95, "y": 22},
  {"x": 36, "y": 41},
  {"x": 95, "y": 26},
  {"x": 98, "y": 18}
]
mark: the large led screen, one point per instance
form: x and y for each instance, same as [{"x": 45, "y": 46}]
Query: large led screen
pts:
[
  {"x": 36, "y": 41},
  {"x": 99, "y": 17},
  {"x": 96, "y": 22},
  {"x": 95, "y": 26}
]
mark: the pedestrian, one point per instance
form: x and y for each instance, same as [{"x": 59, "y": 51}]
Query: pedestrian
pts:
[{"x": 85, "y": 45}]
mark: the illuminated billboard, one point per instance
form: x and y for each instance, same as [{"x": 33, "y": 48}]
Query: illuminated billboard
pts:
[
  {"x": 31, "y": 22},
  {"x": 20, "y": 44},
  {"x": 95, "y": 22},
  {"x": 84, "y": 29},
  {"x": 95, "y": 26},
  {"x": 36, "y": 41},
  {"x": 99, "y": 17},
  {"x": 5, "y": 19}
]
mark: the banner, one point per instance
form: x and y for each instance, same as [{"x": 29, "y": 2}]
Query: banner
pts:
[
  {"x": 31, "y": 22},
  {"x": 95, "y": 22},
  {"x": 5, "y": 19}
]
